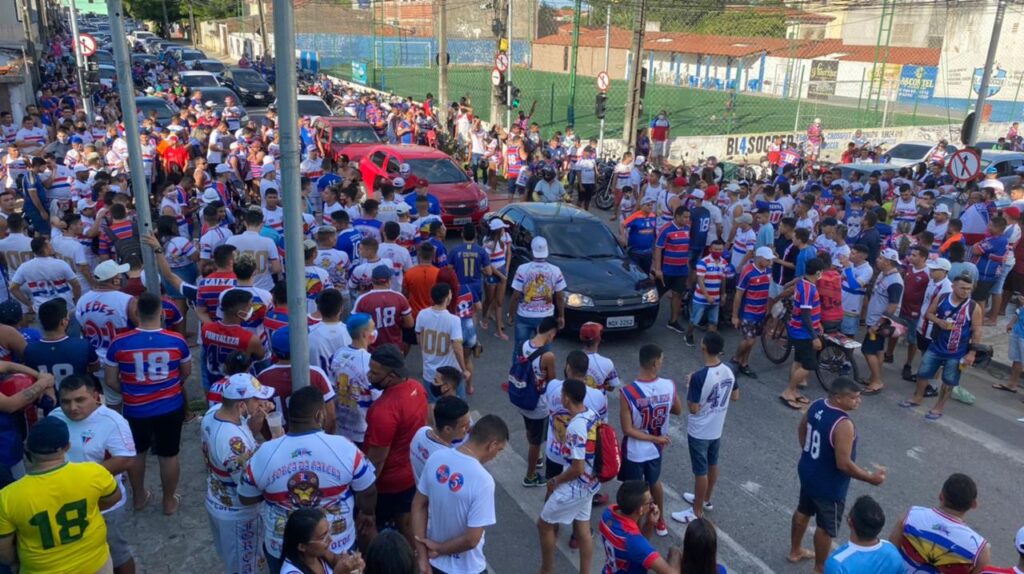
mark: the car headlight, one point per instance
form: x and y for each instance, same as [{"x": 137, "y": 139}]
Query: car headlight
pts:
[
  {"x": 242, "y": 90},
  {"x": 579, "y": 300},
  {"x": 484, "y": 203},
  {"x": 650, "y": 296}
]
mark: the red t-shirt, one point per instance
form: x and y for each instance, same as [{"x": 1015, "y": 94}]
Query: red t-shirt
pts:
[
  {"x": 280, "y": 378},
  {"x": 830, "y": 290},
  {"x": 915, "y": 283},
  {"x": 392, "y": 421},
  {"x": 388, "y": 308}
]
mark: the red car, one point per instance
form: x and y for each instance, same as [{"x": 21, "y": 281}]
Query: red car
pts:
[
  {"x": 462, "y": 202},
  {"x": 343, "y": 135}
]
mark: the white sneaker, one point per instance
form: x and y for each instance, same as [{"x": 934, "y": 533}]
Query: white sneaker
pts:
[
  {"x": 685, "y": 516},
  {"x": 689, "y": 498}
]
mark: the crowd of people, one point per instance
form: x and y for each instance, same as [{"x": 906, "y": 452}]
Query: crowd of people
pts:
[{"x": 374, "y": 463}]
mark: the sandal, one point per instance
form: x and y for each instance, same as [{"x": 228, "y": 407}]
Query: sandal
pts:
[
  {"x": 145, "y": 501},
  {"x": 177, "y": 505},
  {"x": 803, "y": 400},
  {"x": 1003, "y": 387},
  {"x": 869, "y": 391},
  {"x": 791, "y": 403},
  {"x": 908, "y": 404},
  {"x": 933, "y": 416}
]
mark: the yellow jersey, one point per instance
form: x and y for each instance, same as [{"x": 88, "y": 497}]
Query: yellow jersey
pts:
[{"x": 56, "y": 517}]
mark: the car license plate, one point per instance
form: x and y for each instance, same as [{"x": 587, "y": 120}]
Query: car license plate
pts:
[
  {"x": 620, "y": 322},
  {"x": 258, "y": 96},
  {"x": 462, "y": 221}
]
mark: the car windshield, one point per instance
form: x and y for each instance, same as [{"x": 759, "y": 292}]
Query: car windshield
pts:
[
  {"x": 246, "y": 77},
  {"x": 437, "y": 170},
  {"x": 187, "y": 56},
  {"x": 108, "y": 73},
  {"x": 163, "y": 111},
  {"x": 909, "y": 151},
  {"x": 313, "y": 108},
  {"x": 199, "y": 81},
  {"x": 354, "y": 134},
  {"x": 218, "y": 97},
  {"x": 579, "y": 239},
  {"x": 212, "y": 66}
]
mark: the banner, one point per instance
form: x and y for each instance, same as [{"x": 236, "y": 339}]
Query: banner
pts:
[
  {"x": 917, "y": 83},
  {"x": 359, "y": 72},
  {"x": 822, "y": 82}
]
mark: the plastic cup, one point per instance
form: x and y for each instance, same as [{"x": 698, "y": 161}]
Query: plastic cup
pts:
[{"x": 275, "y": 419}]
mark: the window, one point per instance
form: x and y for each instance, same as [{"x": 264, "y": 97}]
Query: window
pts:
[{"x": 377, "y": 159}]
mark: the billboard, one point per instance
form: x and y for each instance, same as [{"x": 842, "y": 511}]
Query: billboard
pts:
[
  {"x": 917, "y": 83},
  {"x": 822, "y": 83}
]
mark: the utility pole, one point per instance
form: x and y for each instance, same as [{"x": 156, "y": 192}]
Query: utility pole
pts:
[
  {"x": 607, "y": 42},
  {"x": 511, "y": 64},
  {"x": 130, "y": 119},
  {"x": 167, "y": 21},
  {"x": 26, "y": 22},
  {"x": 294, "y": 261},
  {"x": 442, "y": 64},
  {"x": 80, "y": 62},
  {"x": 192, "y": 32},
  {"x": 986, "y": 76},
  {"x": 635, "y": 76},
  {"x": 572, "y": 69},
  {"x": 263, "y": 35},
  {"x": 499, "y": 33}
]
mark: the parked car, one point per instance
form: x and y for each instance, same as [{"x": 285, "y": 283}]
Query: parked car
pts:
[
  {"x": 313, "y": 106},
  {"x": 1005, "y": 163},
  {"x": 249, "y": 84},
  {"x": 164, "y": 110},
  {"x": 197, "y": 80},
  {"x": 602, "y": 283},
  {"x": 865, "y": 169},
  {"x": 144, "y": 59},
  {"x": 140, "y": 35},
  {"x": 188, "y": 57},
  {"x": 215, "y": 67},
  {"x": 219, "y": 95},
  {"x": 103, "y": 57},
  {"x": 344, "y": 135},
  {"x": 108, "y": 75},
  {"x": 913, "y": 153},
  {"x": 462, "y": 202}
]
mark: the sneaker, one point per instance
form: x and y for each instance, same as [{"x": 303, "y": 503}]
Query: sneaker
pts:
[
  {"x": 907, "y": 374},
  {"x": 685, "y": 516},
  {"x": 747, "y": 371},
  {"x": 689, "y": 498},
  {"x": 689, "y": 341},
  {"x": 540, "y": 464},
  {"x": 931, "y": 391},
  {"x": 887, "y": 358},
  {"x": 536, "y": 481},
  {"x": 661, "y": 528},
  {"x": 600, "y": 499},
  {"x": 677, "y": 327}
]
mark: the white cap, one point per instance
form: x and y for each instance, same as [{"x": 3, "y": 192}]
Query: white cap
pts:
[
  {"x": 308, "y": 244},
  {"x": 733, "y": 187},
  {"x": 639, "y": 160},
  {"x": 85, "y": 203},
  {"x": 890, "y": 254},
  {"x": 697, "y": 194},
  {"x": 940, "y": 263},
  {"x": 404, "y": 168},
  {"x": 496, "y": 224},
  {"x": 209, "y": 104},
  {"x": 745, "y": 218},
  {"x": 80, "y": 168},
  {"x": 210, "y": 196},
  {"x": 1018, "y": 541},
  {"x": 150, "y": 90},
  {"x": 942, "y": 208},
  {"x": 539, "y": 246},
  {"x": 403, "y": 208},
  {"x": 268, "y": 159},
  {"x": 764, "y": 253},
  {"x": 817, "y": 120},
  {"x": 398, "y": 182},
  {"x": 243, "y": 386},
  {"x": 223, "y": 168},
  {"x": 108, "y": 270}
]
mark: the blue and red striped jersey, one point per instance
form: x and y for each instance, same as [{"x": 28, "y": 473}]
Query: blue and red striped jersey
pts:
[
  {"x": 805, "y": 297},
  {"x": 712, "y": 270},
  {"x": 149, "y": 362},
  {"x": 210, "y": 287},
  {"x": 754, "y": 283},
  {"x": 674, "y": 242},
  {"x": 626, "y": 551},
  {"x": 119, "y": 230}
]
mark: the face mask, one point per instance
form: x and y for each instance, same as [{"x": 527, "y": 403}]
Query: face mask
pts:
[
  {"x": 247, "y": 316},
  {"x": 245, "y": 414},
  {"x": 373, "y": 336}
]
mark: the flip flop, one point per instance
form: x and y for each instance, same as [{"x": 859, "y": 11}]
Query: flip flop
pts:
[
  {"x": 501, "y": 336},
  {"x": 803, "y": 400},
  {"x": 1003, "y": 387},
  {"x": 869, "y": 392},
  {"x": 145, "y": 502},
  {"x": 177, "y": 505},
  {"x": 791, "y": 403},
  {"x": 908, "y": 404},
  {"x": 805, "y": 554},
  {"x": 932, "y": 416}
]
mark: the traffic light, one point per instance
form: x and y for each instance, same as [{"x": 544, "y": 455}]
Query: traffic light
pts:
[
  {"x": 92, "y": 72},
  {"x": 515, "y": 96},
  {"x": 601, "y": 105},
  {"x": 502, "y": 89}
]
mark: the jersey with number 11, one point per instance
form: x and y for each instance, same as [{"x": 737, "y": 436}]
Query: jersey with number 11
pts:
[
  {"x": 149, "y": 362},
  {"x": 649, "y": 405}
]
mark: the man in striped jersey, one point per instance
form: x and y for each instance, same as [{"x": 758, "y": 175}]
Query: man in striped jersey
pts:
[
  {"x": 707, "y": 294},
  {"x": 670, "y": 262},
  {"x": 750, "y": 305}
]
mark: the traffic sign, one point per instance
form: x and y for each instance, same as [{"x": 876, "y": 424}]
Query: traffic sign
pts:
[
  {"x": 964, "y": 165},
  {"x": 603, "y": 81},
  {"x": 496, "y": 77},
  {"x": 87, "y": 44},
  {"x": 501, "y": 62}
]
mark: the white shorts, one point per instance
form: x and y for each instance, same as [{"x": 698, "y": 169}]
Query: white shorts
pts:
[
  {"x": 238, "y": 543},
  {"x": 563, "y": 508}
]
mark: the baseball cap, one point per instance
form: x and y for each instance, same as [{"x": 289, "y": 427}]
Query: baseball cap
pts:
[
  {"x": 890, "y": 254},
  {"x": 281, "y": 343},
  {"x": 85, "y": 203},
  {"x": 268, "y": 160},
  {"x": 942, "y": 208},
  {"x": 210, "y": 196},
  {"x": 109, "y": 269},
  {"x": 308, "y": 244},
  {"x": 697, "y": 194},
  {"x": 403, "y": 208},
  {"x": 940, "y": 263},
  {"x": 381, "y": 273},
  {"x": 245, "y": 386},
  {"x": 732, "y": 187},
  {"x": 679, "y": 181},
  {"x": 210, "y": 104},
  {"x": 223, "y": 168},
  {"x": 764, "y": 253},
  {"x": 404, "y": 168},
  {"x": 639, "y": 160},
  {"x": 496, "y": 224},
  {"x": 80, "y": 168},
  {"x": 745, "y": 218},
  {"x": 77, "y": 139},
  {"x": 591, "y": 331},
  {"x": 648, "y": 200},
  {"x": 539, "y": 247},
  {"x": 1018, "y": 540},
  {"x": 1012, "y": 212},
  {"x": 398, "y": 182},
  {"x": 48, "y": 436}
]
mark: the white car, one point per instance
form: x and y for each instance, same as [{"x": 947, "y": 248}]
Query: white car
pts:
[
  {"x": 140, "y": 35},
  {"x": 194, "y": 80},
  {"x": 1006, "y": 164},
  {"x": 312, "y": 106}
]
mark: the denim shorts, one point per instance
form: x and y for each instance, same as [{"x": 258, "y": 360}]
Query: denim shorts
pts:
[
  {"x": 931, "y": 363},
  {"x": 997, "y": 289},
  {"x": 850, "y": 325},
  {"x": 1016, "y": 349},
  {"x": 468, "y": 332},
  {"x": 703, "y": 454},
  {"x": 699, "y": 310}
]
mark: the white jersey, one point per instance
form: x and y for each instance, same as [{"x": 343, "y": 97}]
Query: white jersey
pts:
[
  {"x": 348, "y": 374},
  {"x": 558, "y": 417},
  {"x": 461, "y": 496},
  {"x": 227, "y": 448},
  {"x": 101, "y": 435},
  {"x": 400, "y": 262},
  {"x": 16, "y": 249},
  {"x": 711, "y": 388},
  {"x": 263, "y": 250},
  {"x": 46, "y": 278},
  {"x": 424, "y": 443},
  {"x": 743, "y": 242},
  {"x": 324, "y": 340},
  {"x": 854, "y": 285},
  {"x": 213, "y": 239},
  {"x": 274, "y": 218},
  {"x": 360, "y": 279},
  {"x": 72, "y": 252},
  {"x": 314, "y": 469},
  {"x": 388, "y": 210},
  {"x": 103, "y": 315},
  {"x": 649, "y": 404},
  {"x": 335, "y": 262},
  {"x": 439, "y": 332},
  {"x": 601, "y": 373}
]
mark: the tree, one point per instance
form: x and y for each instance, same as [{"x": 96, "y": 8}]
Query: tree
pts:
[
  {"x": 671, "y": 15},
  {"x": 764, "y": 25},
  {"x": 153, "y": 11},
  {"x": 546, "y": 24}
]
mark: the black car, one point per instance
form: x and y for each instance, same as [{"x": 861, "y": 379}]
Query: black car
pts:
[
  {"x": 249, "y": 84},
  {"x": 218, "y": 96},
  {"x": 603, "y": 284}
]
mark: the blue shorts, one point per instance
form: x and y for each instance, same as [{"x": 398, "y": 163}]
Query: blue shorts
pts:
[
  {"x": 649, "y": 471},
  {"x": 931, "y": 363},
  {"x": 468, "y": 332},
  {"x": 699, "y": 310},
  {"x": 850, "y": 325},
  {"x": 1016, "y": 350},
  {"x": 997, "y": 289},
  {"x": 703, "y": 453}
]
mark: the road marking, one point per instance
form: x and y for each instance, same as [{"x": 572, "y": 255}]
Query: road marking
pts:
[
  {"x": 751, "y": 488},
  {"x": 914, "y": 453},
  {"x": 989, "y": 442}
]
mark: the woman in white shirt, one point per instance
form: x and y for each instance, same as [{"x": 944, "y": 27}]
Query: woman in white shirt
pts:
[{"x": 305, "y": 550}]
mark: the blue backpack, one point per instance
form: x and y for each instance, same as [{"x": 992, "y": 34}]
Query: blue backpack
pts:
[{"x": 523, "y": 389}]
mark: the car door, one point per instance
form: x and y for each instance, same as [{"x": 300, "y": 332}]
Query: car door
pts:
[
  {"x": 523, "y": 230},
  {"x": 371, "y": 167}
]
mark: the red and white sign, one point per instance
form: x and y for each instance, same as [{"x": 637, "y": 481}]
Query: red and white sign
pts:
[
  {"x": 501, "y": 62},
  {"x": 964, "y": 165},
  {"x": 603, "y": 81},
  {"x": 87, "y": 44},
  {"x": 496, "y": 77}
]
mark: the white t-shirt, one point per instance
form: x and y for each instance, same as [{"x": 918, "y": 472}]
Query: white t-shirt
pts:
[
  {"x": 461, "y": 496},
  {"x": 558, "y": 417},
  {"x": 103, "y": 315},
  {"x": 649, "y": 405},
  {"x": 349, "y": 369},
  {"x": 588, "y": 170},
  {"x": 288, "y": 568},
  {"x": 360, "y": 280},
  {"x": 578, "y": 432},
  {"x": 601, "y": 373},
  {"x": 315, "y": 469},
  {"x": 274, "y": 218},
  {"x": 852, "y": 302},
  {"x": 439, "y": 332},
  {"x": 938, "y": 229},
  {"x": 227, "y": 447},
  {"x": 72, "y": 252},
  {"x": 46, "y": 278},
  {"x": 400, "y": 262},
  {"x": 260, "y": 248},
  {"x": 101, "y": 435},
  {"x": 214, "y": 155},
  {"x": 711, "y": 388},
  {"x": 324, "y": 340},
  {"x": 539, "y": 282},
  {"x": 211, "y": 240},
  {"x": 421, "y": 447},
  {"x": 335, "y": 262}
]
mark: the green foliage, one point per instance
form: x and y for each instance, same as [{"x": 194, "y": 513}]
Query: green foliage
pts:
[
  {"x": 743, "y": 24},
  {"x": 546, "y": 24},
  {"x": 671, "y": 15}
]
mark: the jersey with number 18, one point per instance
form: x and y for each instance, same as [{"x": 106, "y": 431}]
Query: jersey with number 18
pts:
[{"x": 150, "y": 362}]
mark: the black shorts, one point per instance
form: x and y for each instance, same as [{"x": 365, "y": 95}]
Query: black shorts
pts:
[
  {"x": 535, "y": 430},
  {"x": 648, "y": 471},
  {"x": 586, "y": 191},
  {"x": 675, "y": 283},
  {"x": 392, "y": 505},
  {"x": 923, "y": 344},
  {"x": 436, "y": 570},
  {"x": 828, "y": 514},
  {"x": 804, "y": 353},
  {"x": 162, "y": 433},
  {"x": 872, "y": 347},
  {"x": 552, "y": 469},
  {"x": 982, "y": 290}
]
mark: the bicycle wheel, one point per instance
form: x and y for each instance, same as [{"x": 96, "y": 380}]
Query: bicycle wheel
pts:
[
  {"x": 775, "y": 340},
  {"x": 834, "y": 362}
]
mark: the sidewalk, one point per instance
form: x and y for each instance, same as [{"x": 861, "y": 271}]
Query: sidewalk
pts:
[{"x": 997, "y": 336}]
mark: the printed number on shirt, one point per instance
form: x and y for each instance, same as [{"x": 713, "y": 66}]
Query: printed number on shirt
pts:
[
  {"x": 59, "y": 371},
  {"x": 101, "y": 335},
  {"x": 469, "y": 266},
  {"x": 719, "y": 394},
  {"x": 70, "y": 520},
  {"x": 813, "y": 442},
  {"x": 705, "y": 224},
  {"x": 157, "y": 361},
  {"x": 261, "y": 257},
  {"x": 435, "y": 343},
  {"x": 385, "y": 316},
  {"x": 654, "y": 418}
]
